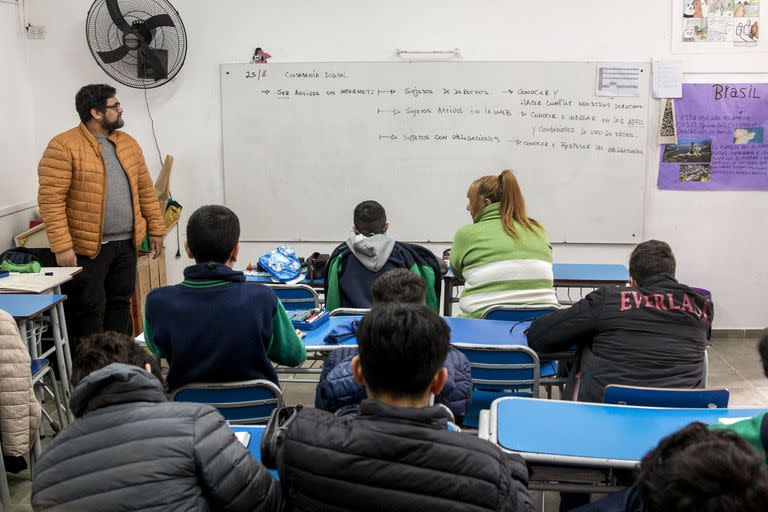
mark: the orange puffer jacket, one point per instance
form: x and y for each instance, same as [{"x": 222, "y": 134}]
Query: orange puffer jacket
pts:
[{"x": 72, "y": 192}]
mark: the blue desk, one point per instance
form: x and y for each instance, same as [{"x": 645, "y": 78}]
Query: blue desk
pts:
[
  {"x": 590, "y": 435},
  {"x": 254, "y": 443},
  {"x": 265, "y": 278},
  {"x": 566, "y": 275},
  {"x": 464, "y": 332},
  {"x": 25, "y": 308}
]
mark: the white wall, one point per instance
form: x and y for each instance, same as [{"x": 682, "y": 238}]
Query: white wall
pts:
[
  {"x": 717, "y": 242},
  {"x": 18, "y": 179}
]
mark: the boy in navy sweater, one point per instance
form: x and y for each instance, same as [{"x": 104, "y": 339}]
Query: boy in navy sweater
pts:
[{"x": 215, "y": 326}]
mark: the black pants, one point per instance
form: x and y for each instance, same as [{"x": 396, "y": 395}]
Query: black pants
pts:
[{"x": 99, "y": 297}]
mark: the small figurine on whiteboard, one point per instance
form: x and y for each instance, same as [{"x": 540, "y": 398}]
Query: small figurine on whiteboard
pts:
[{"x": 260, "y": 57}]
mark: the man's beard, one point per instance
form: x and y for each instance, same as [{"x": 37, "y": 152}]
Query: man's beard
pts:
[{"x": 110, "y": 127}]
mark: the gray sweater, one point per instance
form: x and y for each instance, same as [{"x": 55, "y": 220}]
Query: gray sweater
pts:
[
  {"x": 129, "y": 449},
  {"x": 118, "y": 215}
]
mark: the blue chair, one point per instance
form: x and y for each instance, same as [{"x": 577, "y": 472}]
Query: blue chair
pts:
[
  {"x": 713, "y": 398},
  {"x": 244, "y": 402},
  {"x": 349, "y": 312},
  {"x": 498, "y": 372},
  {"x": 519, "y": 314},
  {"x": 296, "y": 296}
]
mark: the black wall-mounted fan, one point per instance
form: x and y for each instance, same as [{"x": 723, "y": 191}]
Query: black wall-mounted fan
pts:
[{"x": 139, "y": 43}]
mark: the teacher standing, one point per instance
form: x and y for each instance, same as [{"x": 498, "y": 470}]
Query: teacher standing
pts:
[
  {"x": 97, "y": 200},
  {"x": 504, "y": 257}
]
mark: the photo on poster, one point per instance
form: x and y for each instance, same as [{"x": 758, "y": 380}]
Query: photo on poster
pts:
[
  {"x": 688, "y": 149},
  {"x": 689, "y": 9},
  {"x": 721, "y": 8},
  {"x": 746, "y": 30},
  {"x": 667, "y": 124},
  {"x": 719, "y": 29},
  {"x": 746, "y": 8},
  {"x": 748, "y": 135},
  {"x": 695, "y": 30},
  {"x": 695, "y": 172}
]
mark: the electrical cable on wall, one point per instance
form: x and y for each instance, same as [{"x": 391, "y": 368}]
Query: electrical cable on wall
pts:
[{"x": 160, "y": 158}]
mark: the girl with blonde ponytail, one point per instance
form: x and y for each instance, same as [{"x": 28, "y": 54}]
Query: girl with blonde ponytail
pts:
[{"x": 504, "y": 257}]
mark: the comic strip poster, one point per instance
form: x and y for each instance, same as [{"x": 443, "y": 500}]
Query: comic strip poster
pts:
[{"x": 721, "y": 21}]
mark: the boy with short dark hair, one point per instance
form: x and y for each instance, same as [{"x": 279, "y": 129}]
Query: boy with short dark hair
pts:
[
  {"x": 357, "y": 263},
  {"x": 337, "y": 387},
  {"x": 214, "y": 326},
  {"x": 397, "y": 453},
  {"x": 694, "y": 469},
  {"x": 399, "y": 285},
  {"x": 652, "y": 334},
  {"x": 129, "y": 448}
]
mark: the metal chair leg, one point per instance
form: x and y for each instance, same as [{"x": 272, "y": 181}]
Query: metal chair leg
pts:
[
  {"x": 57, "y": 400},
  {"x": 5, "y": 492}
]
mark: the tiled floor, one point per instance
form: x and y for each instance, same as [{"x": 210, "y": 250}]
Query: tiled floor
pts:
[{"x": 733, "y": 364}]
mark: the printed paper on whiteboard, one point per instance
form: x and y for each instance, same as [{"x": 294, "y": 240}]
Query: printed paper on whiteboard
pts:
[{"x": 618, "y": 80}]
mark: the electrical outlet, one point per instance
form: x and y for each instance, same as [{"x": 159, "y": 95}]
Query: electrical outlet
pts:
[{"x": 36, "y": 32}]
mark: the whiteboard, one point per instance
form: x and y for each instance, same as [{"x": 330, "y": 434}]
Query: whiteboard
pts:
[{"x": 304, "y": 143}]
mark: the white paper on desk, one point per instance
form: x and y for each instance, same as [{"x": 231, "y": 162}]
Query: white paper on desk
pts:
[
  {"x": 731, "y": 421},
  {"x": 616, "y": 79},
  {"x": 667, "y": 79},
  {"x": 243, "y": 437},
  {"x": 295, "y": 281}
]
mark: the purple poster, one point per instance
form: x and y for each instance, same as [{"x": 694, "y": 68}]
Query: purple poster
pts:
[{"x": 720, "y": 141}]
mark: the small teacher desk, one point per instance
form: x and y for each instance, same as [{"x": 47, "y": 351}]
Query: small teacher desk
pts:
[
  {"x": 254, "y": 443},
  {"x": 25, "y": 309},
  {"x": 566, "y": 275},
  {"x": 47, "y": 284},
  {"x": 566, "y": 442}
]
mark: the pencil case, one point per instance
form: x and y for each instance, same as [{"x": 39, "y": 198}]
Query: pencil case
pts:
[{"x": 308, "y": 320}]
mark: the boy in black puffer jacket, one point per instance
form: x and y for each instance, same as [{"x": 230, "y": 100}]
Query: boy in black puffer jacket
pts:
[
  {"x": 130, "y": 449},
  {"x": 397, "y": 453}
]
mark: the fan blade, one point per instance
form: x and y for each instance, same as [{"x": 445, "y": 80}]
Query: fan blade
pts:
[
  {"x": 117, "y": 16},
  {"x": 114, "y": 55},
  {"x": 151, "y": 59},
  {"x": 161, "y": 20}
]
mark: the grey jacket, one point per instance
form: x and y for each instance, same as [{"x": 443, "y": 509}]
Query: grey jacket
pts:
[
  {"x": 130, "y": 449},
  {"x": 372, "y": 251}
]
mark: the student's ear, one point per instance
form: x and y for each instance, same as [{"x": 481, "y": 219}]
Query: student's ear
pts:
[
  {"x": 386, "y": 226},
  {"x": 357, "y": 370},
  {"x": 438, "y": 381},
  {"x": 147, "y": 368},
  {"x": 233, "y": 254},
  {"x": 486, "y": 201},
  {"x": 189, "y": 253},
  {"x": 632, "y": 281},
  {"x": 96, "y": 114}
]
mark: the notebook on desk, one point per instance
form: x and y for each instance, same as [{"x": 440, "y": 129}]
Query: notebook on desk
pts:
[{"x": 28, "y": 283}]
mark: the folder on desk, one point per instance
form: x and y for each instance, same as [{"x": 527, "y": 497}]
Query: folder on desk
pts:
[{"x": 29, "y": 283}]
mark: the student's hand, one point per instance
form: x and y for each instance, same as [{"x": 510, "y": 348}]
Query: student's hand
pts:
[
  {"x": 156, "y": 245},
  {"x": 66, "y": 258},
  {"x": 300, "y": 333}
]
